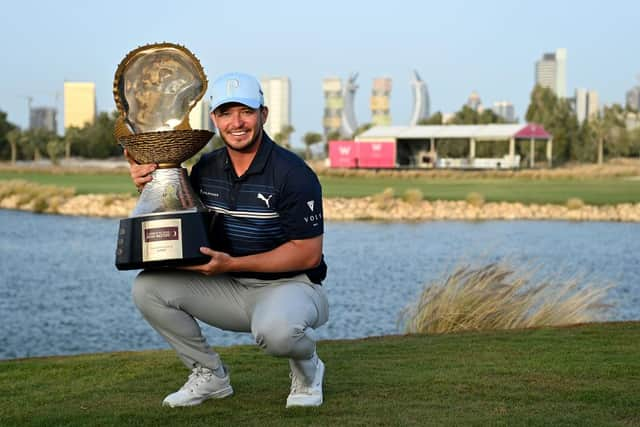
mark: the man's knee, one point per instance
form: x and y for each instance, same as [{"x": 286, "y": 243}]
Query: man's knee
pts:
[
  {"x": 279, "y": 337},
  {"x": 143, "y": 289}
]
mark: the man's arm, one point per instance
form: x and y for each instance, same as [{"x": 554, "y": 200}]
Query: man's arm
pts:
[{"x": 293, "y": 255}]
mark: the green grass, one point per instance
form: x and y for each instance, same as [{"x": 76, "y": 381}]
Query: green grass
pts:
[
  {"x": 83, "y": 183},
  {"x": 579, "y": 376},
  {"x": 592, "y": 191}
]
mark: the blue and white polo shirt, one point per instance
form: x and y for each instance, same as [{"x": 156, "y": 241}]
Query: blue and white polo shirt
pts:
[{"x": 278, "y": 199}]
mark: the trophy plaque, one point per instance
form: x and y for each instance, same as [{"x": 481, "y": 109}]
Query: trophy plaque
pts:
[{"x": 155, "y": 88}]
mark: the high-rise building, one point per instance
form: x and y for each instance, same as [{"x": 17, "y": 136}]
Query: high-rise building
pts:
[
  {"x": 420, "y": 100},
  {"x": 380, "y": 94},
  {"x": 79, "y": 104},
  {"x": 505, "y": 110},
  {"x": 333, "y": 105},
  {"x": 551, "y": 72},
  {"x": 586, "y": 104},
  {"x": 474, "y": 102},
  {"x": 633, "y": 98},
  {"x": 277, "y": 97},
  {"x": 43, "y": 118},
  {"x": 199, "y": 116}
]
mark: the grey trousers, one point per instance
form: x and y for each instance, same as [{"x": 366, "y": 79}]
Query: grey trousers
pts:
[{"x": 281, "y": 314}]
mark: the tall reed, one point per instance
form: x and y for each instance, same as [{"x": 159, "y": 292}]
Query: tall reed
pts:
[{"x": 495, "y": 296}]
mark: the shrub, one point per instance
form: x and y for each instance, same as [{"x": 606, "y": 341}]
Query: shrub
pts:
[
  {"x": 475, "y": 199},
  {"x": 40, "y": 205},
  {"x": 383, "y": 200},
  {"x": 495, "y": 297},
  {"x": 413, "y": 196},
  {"x": 574, "y": 203}
]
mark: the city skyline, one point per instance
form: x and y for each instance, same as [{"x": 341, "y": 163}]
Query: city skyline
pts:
[{"x": 489, "y": 48}]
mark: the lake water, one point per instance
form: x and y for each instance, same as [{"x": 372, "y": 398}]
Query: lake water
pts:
[{"x": 61, "y": 294}]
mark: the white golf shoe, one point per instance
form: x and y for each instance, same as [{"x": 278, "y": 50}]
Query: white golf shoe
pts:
[
  {"x": 202, "y": 384},
  {"x": 304, "y": 394}
]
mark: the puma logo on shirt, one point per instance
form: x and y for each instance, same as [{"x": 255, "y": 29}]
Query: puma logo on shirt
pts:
[{"x": 265, "y": 199}]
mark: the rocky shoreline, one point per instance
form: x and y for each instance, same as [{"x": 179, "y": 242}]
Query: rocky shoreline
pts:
[{"x": 366, "y": 208}]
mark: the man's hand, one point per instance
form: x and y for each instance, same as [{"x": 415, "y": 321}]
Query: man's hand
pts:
[
  {"x": 140, "y": 174},
  {"x": 220, "y": 263},
  {"x": 294, "y": 255}
]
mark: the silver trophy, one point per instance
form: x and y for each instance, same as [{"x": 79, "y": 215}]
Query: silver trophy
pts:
[{"x": 155, "y": 87}]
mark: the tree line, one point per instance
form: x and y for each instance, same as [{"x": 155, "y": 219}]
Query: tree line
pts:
[
  {"x": 601, "y": 136},
  {"x": 94, "y": 141}
]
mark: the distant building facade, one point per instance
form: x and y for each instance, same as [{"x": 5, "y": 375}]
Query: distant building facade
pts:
[
  {"x": 474, "y": 102},
  {"x": 277, "y": 97},
  {"x": 632, "y": 120},
  {"x": 551, "y": 72},
  {"x": 333, "y": 105},
  {"x": 43, "y": 118},
  {"x": 587, "y": 104},
  {"x": 380, "y": 101},
  {"x": 448, "y": 118},
  {"x": 199, "y": 117},
  {"x": 421, "y": 102},
  {"x": 505, "y": 110},
  {"x": 633, "y": 98},
  {"x": 79, "y": 104}
]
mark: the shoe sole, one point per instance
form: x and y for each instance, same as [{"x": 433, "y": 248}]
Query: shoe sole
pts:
[{"x": 220, "y": 394}]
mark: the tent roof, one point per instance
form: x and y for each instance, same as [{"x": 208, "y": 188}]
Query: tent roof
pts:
[
  {"x": 478, "y": 132},
  {"x": 533, "y": 130}
]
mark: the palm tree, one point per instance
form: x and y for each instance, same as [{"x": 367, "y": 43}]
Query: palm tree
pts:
[
  {"x": 37, "y": 140},
  {"x": 71, "y": 136},
  {"x": 54, "y": 147},
  {"x": 13, "y": 137},
  {"x": 309, "y": 139},
  {"x": 282, "y": 137},
  {"x": 606, "y": 127}
]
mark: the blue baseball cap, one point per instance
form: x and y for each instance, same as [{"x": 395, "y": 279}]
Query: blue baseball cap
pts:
[{"x": 236, "y": 87}]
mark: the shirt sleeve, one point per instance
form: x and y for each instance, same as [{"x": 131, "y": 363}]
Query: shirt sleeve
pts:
[{"x": 300, "y": 205}]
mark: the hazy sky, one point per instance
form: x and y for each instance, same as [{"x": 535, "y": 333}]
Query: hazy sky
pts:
[{"x": 489, "y": 46}]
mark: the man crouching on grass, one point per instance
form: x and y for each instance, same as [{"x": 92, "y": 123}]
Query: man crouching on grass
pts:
[{"x": 265, "y": 273}]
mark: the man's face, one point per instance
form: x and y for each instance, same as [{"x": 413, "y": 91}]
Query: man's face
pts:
[{"x": 240, "y": 126}]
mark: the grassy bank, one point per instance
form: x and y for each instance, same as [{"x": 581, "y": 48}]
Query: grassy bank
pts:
[
  {"x": 84, "y": 183},
  {"x": 595, "y": 191},
  {"x": 582, "y": 376},
  {"x": 557, "y": 191}
]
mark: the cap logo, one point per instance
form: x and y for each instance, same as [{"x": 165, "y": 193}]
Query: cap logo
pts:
[{"x": 231, "y": 85}]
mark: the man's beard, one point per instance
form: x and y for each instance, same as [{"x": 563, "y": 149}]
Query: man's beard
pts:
[{"x": 246, "y": 148}]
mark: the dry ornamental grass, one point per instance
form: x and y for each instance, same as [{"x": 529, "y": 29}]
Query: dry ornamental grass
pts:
[
  {"x": 496, "y": 297},
  {"x": 36, "y": 197}
]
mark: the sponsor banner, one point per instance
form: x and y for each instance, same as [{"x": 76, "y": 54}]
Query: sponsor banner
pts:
[
  {"x": 380, "y": 154},
  {"x": 342, "y": 154},
  {"x": 161, "y": 239}
]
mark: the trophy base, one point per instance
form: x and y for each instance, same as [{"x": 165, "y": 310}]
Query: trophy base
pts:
[{"x": 164, "y": 240}]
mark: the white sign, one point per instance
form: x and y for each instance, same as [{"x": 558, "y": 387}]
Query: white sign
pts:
[{"x": 161, "y": 239}]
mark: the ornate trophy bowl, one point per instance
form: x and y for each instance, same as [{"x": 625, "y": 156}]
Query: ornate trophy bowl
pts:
[
  {"x": 155, "y": 87},
  {"x": 165, "y": 148}
]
